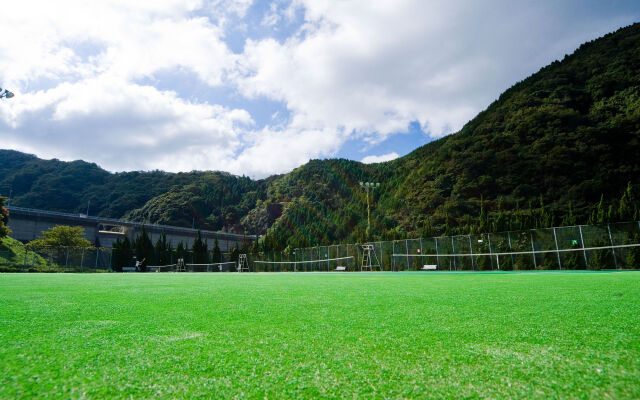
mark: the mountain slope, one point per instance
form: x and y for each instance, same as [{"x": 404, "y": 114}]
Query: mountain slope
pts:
[
  {"x": 568, "y": 134},
  {"x": 559, "y": 147}
]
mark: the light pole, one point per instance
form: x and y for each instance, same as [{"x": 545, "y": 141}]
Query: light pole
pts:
[{"x": 369, "y": 186}]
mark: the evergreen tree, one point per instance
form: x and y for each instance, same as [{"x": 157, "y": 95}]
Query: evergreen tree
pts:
[
  {"x": 181, "y": 252},
  {"x": 216, "y": 254},
  {"x": 235, "y": 253},
  {"x": 4, "y": 218},
  {"x": 121, "y": 254},
  {"x": 162, "y": 250},
  {"x": 143, "y": 249},
  {"x": 199, "y": 250}
]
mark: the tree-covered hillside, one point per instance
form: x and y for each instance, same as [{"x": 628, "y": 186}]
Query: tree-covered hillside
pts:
[
  {"x": 560, "y": 147},
  {"x": 214, "y": 200},
  {"x": 568, "y": 135}
]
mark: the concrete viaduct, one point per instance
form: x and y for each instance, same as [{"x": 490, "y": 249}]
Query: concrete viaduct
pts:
[{"x": 27, "y": 224}]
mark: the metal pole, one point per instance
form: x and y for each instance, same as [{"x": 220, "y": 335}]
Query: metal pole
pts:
[
  {"x": 510, "y": 250},
  {"x": 438, "y": 254},
  {"x": 347, "y": 246},
  {"x": 555, "y": 238},
  {"x": 368, "y": 214},
  {"x": 82, "y": 261},
  {"x": 422, "y": 253},
  {"x": 615, "y": 260},
  {"x": 471, "y": 250},
  {"x": 533, "y": 249},
  {"x": 586, "y": 260},
  {"x": 453, "y": 249},
  {"x": 490, "y": 252},
  {"x": 393, "y": 251},
  {"x": 406, "y": 246},
  {"x": 66, "y": 263},
  {"x": 97, "y": 253}
]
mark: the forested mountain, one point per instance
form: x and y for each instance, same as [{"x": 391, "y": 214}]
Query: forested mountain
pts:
[
  {"x": 214, "y": 200},
  {"x": 560, "y": 147}
]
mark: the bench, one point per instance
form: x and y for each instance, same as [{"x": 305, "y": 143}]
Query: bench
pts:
[
  {"x": 429, "y": 267},
  {"x": 338, "y": 269}
]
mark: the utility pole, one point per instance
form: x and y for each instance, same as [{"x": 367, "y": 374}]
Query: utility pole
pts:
[{"x": 369, "y": 186}]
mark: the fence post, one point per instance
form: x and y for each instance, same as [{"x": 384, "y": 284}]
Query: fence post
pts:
[
  {"x": 555, "y": 239},
  {"x": 473, "y": 265},
  {"x": 97, "y": 253},
  {"x": 406, "y": 246},
  {"x": 453, "y": 249},
  {"x": 393, "y": 252},
  {"x": 435, "y": 239},
  {"x": 510, "y": 250},
  {"x": 347, "y": 246},
  {"x": 66, "y": 263},
  {"x": 82, "y": 261},
  {"x": 584, "y": 252},
  {"x": 491, "y": 253},
  {"x": 615, "y": 260},
  {"x": 533, "y": 249}
]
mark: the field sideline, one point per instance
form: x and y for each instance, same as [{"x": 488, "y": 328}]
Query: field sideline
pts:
[{"x": 312, "y": 335}]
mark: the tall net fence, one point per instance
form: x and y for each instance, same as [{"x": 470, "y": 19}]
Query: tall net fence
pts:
[
  {"x": 591, "y": 247},
  {"x": 55, "y": 259},
  {"x": 311, "y": 259},
  {"x": 70, "y": 259}
]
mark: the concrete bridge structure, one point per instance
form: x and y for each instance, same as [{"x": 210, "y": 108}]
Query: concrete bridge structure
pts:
[{"x": 28, "y": 224}]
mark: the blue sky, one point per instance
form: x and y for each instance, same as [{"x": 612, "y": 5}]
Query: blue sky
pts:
[{"x": 258, "y": 88}]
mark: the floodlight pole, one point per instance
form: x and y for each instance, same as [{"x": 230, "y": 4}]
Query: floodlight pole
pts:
[{"x": 366, "y": 186}]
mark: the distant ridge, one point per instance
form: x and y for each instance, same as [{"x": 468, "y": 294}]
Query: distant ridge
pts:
[{"x": 561, "y": 146}]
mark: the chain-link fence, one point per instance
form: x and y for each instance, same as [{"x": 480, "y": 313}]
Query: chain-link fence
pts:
[
  {"x": 24, "y": 258},
  {"x": 592, "y": 247},
  {"x": 55, "y": 259}
]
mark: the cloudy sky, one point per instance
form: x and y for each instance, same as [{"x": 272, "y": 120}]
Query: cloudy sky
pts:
[{"x": 257, "y": 87}]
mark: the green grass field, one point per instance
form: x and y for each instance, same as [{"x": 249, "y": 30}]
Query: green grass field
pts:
[{"x": 383, "y": 335}]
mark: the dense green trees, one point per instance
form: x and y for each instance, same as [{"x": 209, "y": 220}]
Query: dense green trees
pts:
[
  {"x": 558, "y": 148},
  {"x": 4, "y": 218},
  {"x": 62, "y": 236},
  {"x": 199, "y": 249},
  {"x": 122, "y": 254}
]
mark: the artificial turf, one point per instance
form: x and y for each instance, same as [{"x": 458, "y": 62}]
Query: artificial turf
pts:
[{"x": 346, "y": 335}]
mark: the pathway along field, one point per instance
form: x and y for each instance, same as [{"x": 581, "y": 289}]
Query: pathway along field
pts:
[{"x": 518, "y": 335}]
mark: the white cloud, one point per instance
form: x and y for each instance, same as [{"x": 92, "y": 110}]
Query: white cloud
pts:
[
  {"x": 372, "y": 68},
  {"x": 270, "y": 151},
  {"x": 153, "y": 129},
  {"x": 83, "y": 73},
  {"x": 380, "y": 158}
]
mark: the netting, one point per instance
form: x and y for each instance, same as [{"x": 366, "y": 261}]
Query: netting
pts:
[
  {"x": 327, "y": 264},
  {"x": 607, "y": 246},
  {"x": 212, "y": 267},
  {"x": 162, "y": 268}
]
